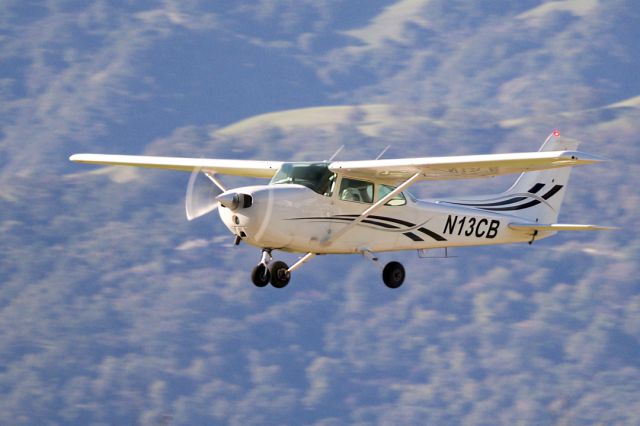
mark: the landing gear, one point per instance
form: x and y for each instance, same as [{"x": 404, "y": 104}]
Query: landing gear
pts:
[
  {"x": 280, "y": 274},
  {"x": 393, "y": 274},
  {"x": 260, "y": 275},
  {"x": 277, "y": 273}
]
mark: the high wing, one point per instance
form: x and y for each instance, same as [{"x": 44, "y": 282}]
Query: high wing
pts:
[
  {"x": 249, "y": 168},
  {"x": 461, "y": 167}
]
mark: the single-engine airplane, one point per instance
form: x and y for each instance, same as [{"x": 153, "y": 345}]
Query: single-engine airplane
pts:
[{"x": 339, "y": 207}]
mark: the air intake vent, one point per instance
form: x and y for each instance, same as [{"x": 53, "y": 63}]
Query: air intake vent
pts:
[{"x": 246, "y": 200}]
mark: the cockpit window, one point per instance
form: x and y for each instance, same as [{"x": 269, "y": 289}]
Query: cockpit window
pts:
[
  {"x": 356, "y": 190},
  {"x": 315, "y": 176}
]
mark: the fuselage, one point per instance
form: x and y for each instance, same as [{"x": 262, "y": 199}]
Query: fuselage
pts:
[{"x": 294, "y": 218}]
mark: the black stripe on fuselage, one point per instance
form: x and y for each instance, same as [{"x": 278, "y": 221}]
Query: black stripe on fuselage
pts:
[
  {"x": 413, "y": 236},
  {"x": 424, "y": 230},
  {"x": 531, "y": 203},
  {"x": 432, "y": 234},
  {"x": 534, "y": 189},
  {"x": 388, "y": 219},
  {"x": 377, "y": 221},
  {"x": 384, "y": 225},
  {"x": 347, "y": 219}
]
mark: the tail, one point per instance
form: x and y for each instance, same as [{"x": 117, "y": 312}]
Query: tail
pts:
[{"x": 535, "y": 196}]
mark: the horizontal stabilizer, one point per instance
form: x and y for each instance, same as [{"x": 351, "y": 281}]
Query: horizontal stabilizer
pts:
[{"x": 552, "y": 227}]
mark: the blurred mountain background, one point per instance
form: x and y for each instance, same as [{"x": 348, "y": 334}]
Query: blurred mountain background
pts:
[{"x": 116, "y": 310}]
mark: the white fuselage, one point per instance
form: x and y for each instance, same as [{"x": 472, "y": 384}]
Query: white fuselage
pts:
[{"x": 294, "y": 218}]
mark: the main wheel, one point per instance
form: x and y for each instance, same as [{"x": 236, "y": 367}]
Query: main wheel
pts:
[
  {"x": 280, "y": 274},
  {"x": 393, "y": 274},
  {"x": 260, "y": 275}
]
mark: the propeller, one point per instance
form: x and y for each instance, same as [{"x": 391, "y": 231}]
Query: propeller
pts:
[{"x": 202, "y": 190}]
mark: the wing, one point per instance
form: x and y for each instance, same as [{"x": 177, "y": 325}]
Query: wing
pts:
[
  {"x": 461, "y": 167},
  {"x": 260, "y": 169}
]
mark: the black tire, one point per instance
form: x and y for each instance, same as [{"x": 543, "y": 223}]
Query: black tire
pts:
[
  {"x": 393, "y": 274},
  {"x": 260, "y": 276},
  {"x": 280, "y": 275}
]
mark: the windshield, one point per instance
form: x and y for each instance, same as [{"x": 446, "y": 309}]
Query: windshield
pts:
[{"x": 315, "y": 176}]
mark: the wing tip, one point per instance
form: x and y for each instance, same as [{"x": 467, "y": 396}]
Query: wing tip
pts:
[{"x": 584, "y": 157}]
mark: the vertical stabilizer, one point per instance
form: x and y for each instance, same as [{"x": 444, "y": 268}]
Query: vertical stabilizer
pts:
[{"x": 535, "y": 196}]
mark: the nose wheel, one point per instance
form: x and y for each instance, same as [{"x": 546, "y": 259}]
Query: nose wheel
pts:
[{"x": 260, "y": 275}]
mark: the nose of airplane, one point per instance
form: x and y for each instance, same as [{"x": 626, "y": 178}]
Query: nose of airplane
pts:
[{"x": 234, "y": 200}]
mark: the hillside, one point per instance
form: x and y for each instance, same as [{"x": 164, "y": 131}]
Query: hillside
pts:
[{"x": 116, "y": 310}]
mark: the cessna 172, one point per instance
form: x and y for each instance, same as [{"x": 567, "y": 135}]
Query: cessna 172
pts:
[{"x": 335, "y": 207}]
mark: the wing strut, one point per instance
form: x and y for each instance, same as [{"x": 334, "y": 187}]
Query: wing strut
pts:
[
  {"x": 213, "y": 178},
  {"x": 363, "y": 216},
  {"x": 381, "y": 202},
  {"x": 300, "y": 261}
]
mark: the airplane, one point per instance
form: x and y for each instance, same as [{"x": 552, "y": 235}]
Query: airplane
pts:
[{"x": 363, "y": 207}]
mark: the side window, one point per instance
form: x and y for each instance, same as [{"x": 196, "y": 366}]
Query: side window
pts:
[
  {"x": 398, "y": 200},
  {"x": 356, "y": 190}
]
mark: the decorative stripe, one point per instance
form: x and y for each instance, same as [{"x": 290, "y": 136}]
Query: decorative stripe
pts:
[
  {"x": 432, "y": 234},
  {"x": 384, "y": 225},
  {"x": 413, "y": 236},
  {"x": 532, "y": 203},
  {"x": 518, "y": 207},
  {"x": 534, "y": 189},
  {"x": 552, "y": 192},
  {"x": 497, "y": 203},
  {"x": 377, "y": 221},
  {"x": 394, "y": 220}
]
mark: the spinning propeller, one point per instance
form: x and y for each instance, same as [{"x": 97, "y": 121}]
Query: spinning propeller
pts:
[{"x": 202, "y": 192}]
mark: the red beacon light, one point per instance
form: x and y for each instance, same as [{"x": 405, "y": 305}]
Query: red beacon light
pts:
[{"x": 556, "y": 133}]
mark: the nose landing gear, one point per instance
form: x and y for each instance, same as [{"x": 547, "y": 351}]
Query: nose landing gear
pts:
[
  {"x": 277, "y": 273},
  {"x": 260, "y": 275}
]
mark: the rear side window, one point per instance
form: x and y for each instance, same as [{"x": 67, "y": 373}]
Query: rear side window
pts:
[{"x": 398, "y": 200}]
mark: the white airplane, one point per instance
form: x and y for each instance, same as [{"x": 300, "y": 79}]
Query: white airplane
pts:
[{"x": 339, "y": 207}]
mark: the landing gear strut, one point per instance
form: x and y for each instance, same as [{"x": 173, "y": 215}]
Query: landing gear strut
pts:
[
  {"x": 277, "y": 273},
  {"x": 261, "y": 275}
]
